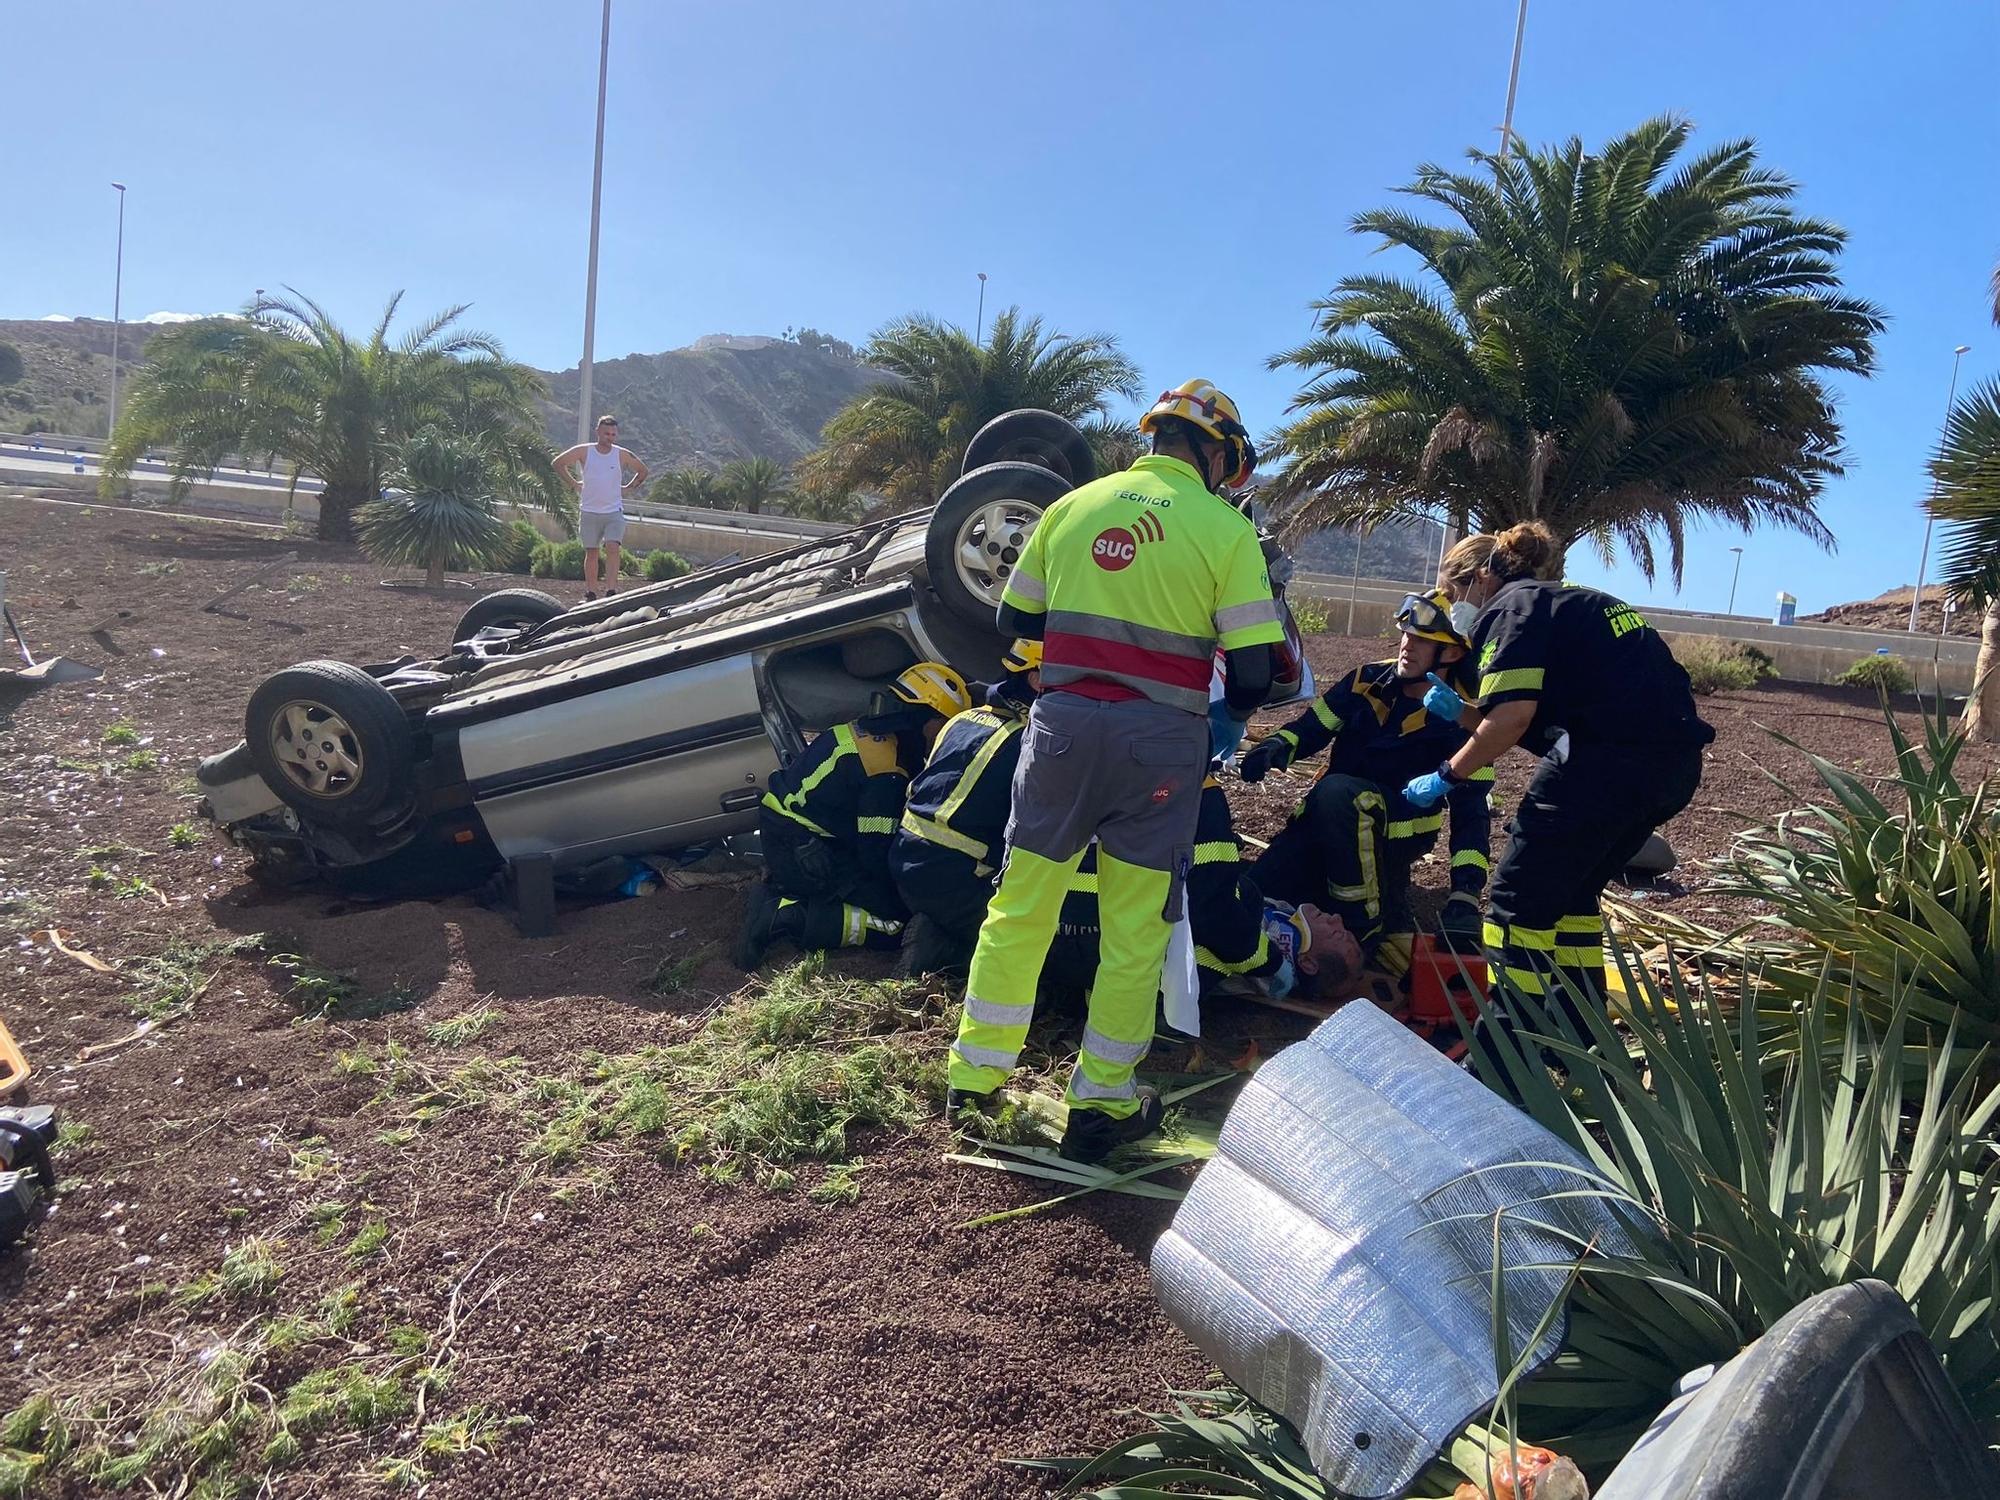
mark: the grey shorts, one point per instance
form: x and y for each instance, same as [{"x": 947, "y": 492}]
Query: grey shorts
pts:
[{"x": 601, "y": 526}]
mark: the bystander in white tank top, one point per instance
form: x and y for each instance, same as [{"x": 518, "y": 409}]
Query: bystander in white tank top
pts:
[{"x": 603, "y": 480}]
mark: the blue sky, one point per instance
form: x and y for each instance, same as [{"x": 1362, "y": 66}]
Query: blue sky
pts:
[{"x": 1181, "y": 178}]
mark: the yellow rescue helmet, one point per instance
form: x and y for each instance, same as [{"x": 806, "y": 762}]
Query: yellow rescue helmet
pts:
[
  {"x": 1199, "y": 403},
  {"x": 931, "y": 684},
  {"x": 1427, "y": 616},
  {"x": 1023, "y": 656}
]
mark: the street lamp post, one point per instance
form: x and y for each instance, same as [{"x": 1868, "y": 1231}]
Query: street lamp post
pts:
[
  {"x": 1733, "y": 577},
  {"x": 117, "y": 312},
  {"x": 1924, "y": 557},
  {"x": 596, "y": 203},
  {"x": 979, "y": 329},
  {"x": 1513, "y": 80}
]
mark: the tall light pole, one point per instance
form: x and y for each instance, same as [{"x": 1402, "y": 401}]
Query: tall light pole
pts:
[
  {"x": 1924, "y": 557},
  {"x": 117, "y": 312},
  {"x": 979, "y": 330},
  {"x": 596, "y": 202},
  {"x": 1732, "y": 580},
  {"x": 1513, "y": 80}
]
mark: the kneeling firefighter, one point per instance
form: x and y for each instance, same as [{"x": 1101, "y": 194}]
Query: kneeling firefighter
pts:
[
  {"x": 948, "y": 847},
  {"x": 828, "y": 818},
  {"x": 1352, "y": 843}
]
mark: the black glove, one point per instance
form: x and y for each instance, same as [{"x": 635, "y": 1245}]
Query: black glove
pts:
[
  {"x": 1261, "y": 757},
  {"x": 1461, "y": 922},
  {"x": 816, "y": 862}
]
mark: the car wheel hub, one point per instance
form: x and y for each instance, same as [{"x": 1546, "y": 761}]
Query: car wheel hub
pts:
[
  {"x": 318, "y": 749},
  {"x": 990, "y": 542}
]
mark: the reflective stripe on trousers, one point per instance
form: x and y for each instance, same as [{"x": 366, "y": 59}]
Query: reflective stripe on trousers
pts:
[{"x": 1000, "y": 995}]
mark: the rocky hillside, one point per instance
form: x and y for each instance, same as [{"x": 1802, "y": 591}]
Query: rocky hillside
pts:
[
  {"x": 725, "y": 397},
  {"x": 1891, "y": 611},
  {"x": 65, "y": 380}
]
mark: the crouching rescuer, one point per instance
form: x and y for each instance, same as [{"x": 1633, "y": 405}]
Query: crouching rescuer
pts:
[
  {"x": 828, "y": 818},
  {"x": 1352, "y": 843},
  {"x": 948, "y": 847},
  {"x": 1130, "y": 582}
]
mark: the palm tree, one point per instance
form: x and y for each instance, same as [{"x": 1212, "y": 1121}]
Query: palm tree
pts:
[
  {"x": 697, "y": 489},
  {"x": 1967, "y": 494},
  {"x": 440, "y": 510},
  {"x": 824, "y": 505},
  {"x": 904, "y": 438},
  {"x": 287, "y": 380},
  {"x": 750, "y": 484},
  {"x": 1615, "y": 344}
]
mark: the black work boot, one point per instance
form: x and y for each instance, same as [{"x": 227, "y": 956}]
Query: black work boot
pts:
[
  {"x": 760, "y": 927},
  {"x": 929, "y": 949},
  {"x": 1092, "y": 1135}
]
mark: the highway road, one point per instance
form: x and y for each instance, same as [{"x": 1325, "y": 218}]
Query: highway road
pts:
[{"x": 27, "y": 460}]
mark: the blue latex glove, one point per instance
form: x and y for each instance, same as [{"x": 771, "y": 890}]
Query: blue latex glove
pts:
[
  {"x": 1283, "y": 979},
  {"x": 1441, "y": 702},
  {"x": 1426, "y": 790},
  {"x": 1225, "y": 731}
]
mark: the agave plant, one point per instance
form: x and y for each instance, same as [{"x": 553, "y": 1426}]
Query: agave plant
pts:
[
  {"x": 1899, "y": 895},
  {"x": 1773, "y": 1165},
  {"x": 1777, "y": 1163}
]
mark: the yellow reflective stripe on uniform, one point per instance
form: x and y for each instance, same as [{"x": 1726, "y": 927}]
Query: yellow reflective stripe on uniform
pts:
[
  {"x": 1323, "y": 711},
  {"x": 1525, "y": 980},
  {"x": 1531, "y": 939},
  {"x": 1519, "y": 680},
  {"x": 875, "y": 825},
  {"x": 1291, "y": 740},
  {"x": 1371, "y": 882},
  {"x": 1484, "y": 773},
  {"x": 933, "y": 832},
  {"x": 1591, "y": 957},
  {"x": 1470, "y": 859},
  {"x": 793, "y": 805},
  {"x": 1084, "y": 881},
  {"x": 1580, "y": 924},
  {"x": 1411, "y": 827},
  {"x": 1206, "y": 959},
  {"x": 1004, "y": 730},
  {"x": 1217, "y": 852}
]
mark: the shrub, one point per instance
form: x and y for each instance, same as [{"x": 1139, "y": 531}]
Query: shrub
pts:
[
  {"x": 1898, "y": 892},
  {"x": 557, "y": 560},
  {"x": 1713, "y": 664},
  {"x": 518, "y": 550},
  {"x": 662, "y": 565},
  {"x": 1886, "y": 674},
  {"x": 11, "y": 364},
  {"x": 1765, "y": 663},
  {"x": 1309, "y": 613}
]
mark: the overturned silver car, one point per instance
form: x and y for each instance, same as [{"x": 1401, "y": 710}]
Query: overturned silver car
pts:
[{"x": 639, "y": 724}]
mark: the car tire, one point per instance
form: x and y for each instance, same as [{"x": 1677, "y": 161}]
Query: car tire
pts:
[
  {"x": 520, "y": 608},
  {"x": 1032, "y": 436},
  {"x": 977, "y": 531},
  {"x": 330, "y": 741}
]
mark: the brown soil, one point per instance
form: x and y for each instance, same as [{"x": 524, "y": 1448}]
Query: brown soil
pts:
[{"x": 666, "y": 1336}]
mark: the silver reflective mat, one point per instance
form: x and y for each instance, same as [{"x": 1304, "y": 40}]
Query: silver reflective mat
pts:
[{"x": 1319, "y": 1259}]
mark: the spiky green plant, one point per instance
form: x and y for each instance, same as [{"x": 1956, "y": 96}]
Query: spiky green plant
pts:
[
  {"x": 1781, "y": 1162},
  {"x": 441, "y": 511},
  {"x": 1897, "y": 889}
]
